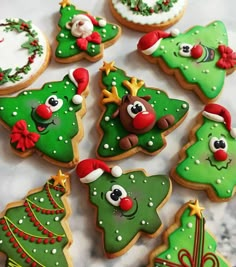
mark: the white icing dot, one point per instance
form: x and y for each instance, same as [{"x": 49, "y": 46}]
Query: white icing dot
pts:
[
  {"x": 46, "y": 250},
  {"x": 47, "y": 223},
  {"x": 177, "y": 110},
  {"x": 73, "y": 123},
  {"x": 186, "y": 168},
  {"x": 184, "y": 105},
  {"x": 1, "y": 108},
  {"x": 114, "y": 78},
  {"x": 144, "y": 181},
  {"x": 60, "y": 138},
  {"x": 197, "y": 161},
  {"x": 158, "y": 92},
  {"x": 62, "y": 35},
  {"x": 72, "y": 46},
  {"x": 117, "y": 231},
  {"x": 66, "y": 141},
  {"x": 153, "y": 137},
  {"x": 20, "y": 221},
  {"x": 57, "y": 219},
  {"x": 94, "y": 193},
  {"x": 57, "y": 263},
  {"x": 210, "y": 247},
  {"x": 175, "y": 248},
  {"x": 106, "y": 146},
  {"x": 100, "y": 222},
  {"x": 25, "y": 93},
  {"x": 182, "y": 229},
  {"x": 133, "y": 181},
  {"x": 50, "y": 86},
  {"x": 34, "y": 250},
  {"x": 14, "y": 113},
  {"x": 93, "y": 46},
  {"x": 165, "y": 109},
  {"x": 162, "y": 47},
  {"x": 143, "y": 222},
  {"x": 54, "y": 151},
  {"x": 114, "y": 27},
  {"x": 218, "y": 181},
  {"x": 150, "y": 143},
  {"x": 168, "y": 256},
  {"x": 131, "y": 176},
  {"x": 189, "y": 236},
  {"x": 214, "y": 88},
  {"x": 163, "y": 183},
  {"x": 59, "y": 51},
  {"x": 190, "y": 225},
  {"x": 93, "y": 50},
  {"x": 1, "y": 241},
  {"x": 150, "y": 204},
  {"x": 201, "y": 139},
  {"x": 104, "y": 30},
  {"x": 112, "y": 124},
  {"x": 194, "y": 79},
  {"x": 54, "y": 251},
  {"x": 185, "y": 67},
  {"x": 196, "y": 32},
  {"x": 41, "y": 199},
  {"x": 35, "y": 198},
  {"x": 70, "y": 109},
  {"x": 119, "y": 238},
  {"x": 228, "y": 191},
  {"x": 113, "y": 83}
]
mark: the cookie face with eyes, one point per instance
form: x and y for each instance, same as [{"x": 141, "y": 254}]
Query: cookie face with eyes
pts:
[
  {"x": 126, "y": 203},
  {"x": 50, "y": 115},
  {"x": 208, "y": 160}
]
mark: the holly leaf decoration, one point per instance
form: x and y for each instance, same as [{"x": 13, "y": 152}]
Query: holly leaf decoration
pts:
[
  {"x": 31, "y": 45},
  {"x": 4, "y": 75}
]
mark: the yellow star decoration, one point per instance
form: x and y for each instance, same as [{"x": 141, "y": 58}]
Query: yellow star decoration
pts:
[
  {"x": 65, "y": 3},
  {"x": 108, "y": 66},
  {"x": 60, "y": 178},
  {"x": 196, "y": 209}
]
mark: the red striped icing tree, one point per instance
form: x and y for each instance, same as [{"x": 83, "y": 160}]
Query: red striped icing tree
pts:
[{"x": 33, "y": 232}]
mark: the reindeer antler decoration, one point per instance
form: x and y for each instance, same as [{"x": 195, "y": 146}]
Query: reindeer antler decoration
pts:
[{"x": 133, "y": 86}]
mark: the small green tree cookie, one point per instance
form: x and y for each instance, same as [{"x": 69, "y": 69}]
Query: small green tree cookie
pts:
[
  {"x": 126, "y": 203},
  {"x": 135, "y": 117},
  {"x": 34, "y": 232},
  {"x": 187, "y": 243},
  {"x": 48, "y": 120},
  {"x": 82, "y": 35},
  {"x": 208, "y": 160},
  {"x": 199, "y": 58}
]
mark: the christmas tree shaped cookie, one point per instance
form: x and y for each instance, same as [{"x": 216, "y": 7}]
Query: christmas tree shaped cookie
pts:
[
  {"x": 188, "y": 243},
  {"x": 34, "y": 232},
  {"x": 207, "y": 162},
  {"x": 135, "y": 117},
  {"x": 199, "y": 58},
  {"x": 82, "y": 35},
  {"x": 126, "y": 203},
  {"x": 48, "y": 120},
  {"x": 24, "y": 54}
]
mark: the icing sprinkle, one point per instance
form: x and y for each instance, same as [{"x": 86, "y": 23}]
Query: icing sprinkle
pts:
[{"x": 119, "y": 238}]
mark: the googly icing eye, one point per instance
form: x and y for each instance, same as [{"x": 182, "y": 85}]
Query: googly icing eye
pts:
[
  {"x": 185, "y": 50},
  {"x": 115, "y": 195},
  {"x": 135, "y": 108},
  {"x": 218, "y": 143},
  {"x": 54, "y": 103}
]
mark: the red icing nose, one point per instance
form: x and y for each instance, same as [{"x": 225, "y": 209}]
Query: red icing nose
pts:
[
  {"x": 220, "y": 155},
  {"x": 126, "y": 203},
  {"x": 44, "y": 112},
  {"x": 143, "y": 120},
  {"x": 196, "y": 51}
]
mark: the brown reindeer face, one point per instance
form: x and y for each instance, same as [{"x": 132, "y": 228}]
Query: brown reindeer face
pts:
[{"x": 136, "y": 114}]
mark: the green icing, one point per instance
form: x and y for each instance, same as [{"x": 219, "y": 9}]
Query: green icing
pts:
[
  {"x": 55, "y": 141},
  {"x": 184, "y": 238},
  {"x": 67, "y": 46},
  {"x": 113, "y": 130},
  {"x": 219, "y": 176},
  {"x": 206, "y": 75},
  {"x": 22, "y": 233},
  {"x": 120, "y": 228}
]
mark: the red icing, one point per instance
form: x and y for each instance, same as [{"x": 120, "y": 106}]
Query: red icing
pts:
[
  {"x": 22, "y": 136},
  {"x": 126, "y": 203},
  {"x": 228, "y": 57},
  {"x": 93, "y": 38},
  {"x": 196, "y": 51},
  {"x": 143, "y": 119},
  {"x": 44, "y": 112},
  {"x": 220, "y": 155}
]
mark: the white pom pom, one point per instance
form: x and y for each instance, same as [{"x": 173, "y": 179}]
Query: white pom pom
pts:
[
  {"x": 174, "y": 32},
  {"x": 102, "y": 23},
  {"x": 77, "y": 99},
  {"x": 116, "y": 171},
  {"x": 233, "y": 132}
]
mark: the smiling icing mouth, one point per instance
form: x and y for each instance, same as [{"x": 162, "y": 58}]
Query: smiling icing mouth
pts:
[{"x": 219, "y": 168}]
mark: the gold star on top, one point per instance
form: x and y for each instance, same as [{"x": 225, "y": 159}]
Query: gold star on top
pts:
[
  {"x": 107, "y": 67},
  {"x": 60, "y": 178},
  {"x": 65, "y": 3},
  {"x": 196, "y": 209}
]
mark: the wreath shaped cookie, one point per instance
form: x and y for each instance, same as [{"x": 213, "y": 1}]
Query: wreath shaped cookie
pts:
[{"x": 24, "y": 53}]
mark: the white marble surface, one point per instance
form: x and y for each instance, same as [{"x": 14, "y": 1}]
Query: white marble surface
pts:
[{"x": 18, "y": 175}]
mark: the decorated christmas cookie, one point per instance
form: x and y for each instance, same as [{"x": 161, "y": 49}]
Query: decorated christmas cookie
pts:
[
  {"x": 24, "y": 54},
  {"x": 199, "y": 58},
  {"x": 187, "y": 242},
  {"x": 147, "y": 15},
  {"x": 48, "y": 120},
  {"x": 82, "y": 35},
  {"x": 126, "y": 203},
  {"x": 34, "y": 232},
  {"x": 135, "y": 117},
  {"x": 207, "y": 162}
]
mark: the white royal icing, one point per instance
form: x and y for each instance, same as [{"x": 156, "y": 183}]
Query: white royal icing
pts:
[
  {"x": 125, "y": 12},
  {"x": 12, "y": 55}
]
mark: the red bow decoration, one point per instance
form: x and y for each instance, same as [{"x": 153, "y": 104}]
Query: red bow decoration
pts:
[
  {"x": 93, "y": 38},
  {"x": 228, "y": 57},
  {"x": 22, "y": 136}
]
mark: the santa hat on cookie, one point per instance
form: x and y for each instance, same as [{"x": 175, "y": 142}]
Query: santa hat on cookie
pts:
[
  {"x": 80, "y": 78},
  {"x": 90, "y": 170},
  {"x": 87, "y": 17},
  {"x": 151, "y": 41},
  {"x": 219, "y": 113}
]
